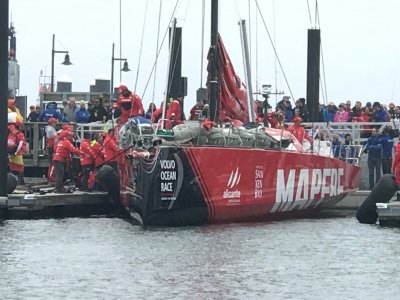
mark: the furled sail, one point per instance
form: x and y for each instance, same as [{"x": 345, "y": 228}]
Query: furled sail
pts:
[{"x": 232, "y": 104}]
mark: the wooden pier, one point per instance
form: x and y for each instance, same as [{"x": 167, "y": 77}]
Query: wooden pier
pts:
[{"x": 38, "y": 201}]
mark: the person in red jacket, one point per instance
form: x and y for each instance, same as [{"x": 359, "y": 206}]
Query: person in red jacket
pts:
[
  {"x": 110, "y": 150},
  {"x": 87, "y": 158},
  {"x": 298, "y": 130},
  {"x": 52, "y": 139},
  {"x": 129, "y": 103},
  {"x": 16, "y": 146},
  {"x": 175, "y": 108},
  {"x": 61, "y": 157}
]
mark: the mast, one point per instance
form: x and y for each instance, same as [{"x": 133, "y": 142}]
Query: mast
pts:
[
  {"x": 213, "y": 93},
  {"x": 247, "y": 69},
  {"x": 313, "y": 59}
]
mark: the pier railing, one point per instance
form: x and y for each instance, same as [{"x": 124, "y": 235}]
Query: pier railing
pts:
[{"x": 37, "y": 155}]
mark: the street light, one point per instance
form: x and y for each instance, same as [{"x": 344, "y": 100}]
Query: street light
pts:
[
  {"x": 66, "y": 62},
  {"x": 124, "y": 69}
]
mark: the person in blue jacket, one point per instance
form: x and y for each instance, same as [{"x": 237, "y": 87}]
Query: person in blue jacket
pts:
[
  {"x": 82, "y": 115},
  {"x": 51, "y": 111},
  {"x": 329, "y": 112},
  {"x": 379, "y": 114},
  {"x": 374, "y": 149},
  {"x": 387, "y": 149}
]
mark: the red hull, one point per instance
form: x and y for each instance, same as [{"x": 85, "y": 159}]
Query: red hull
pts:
[
  {"x": 245, "y": 184},
  {"x": 192, "y": 185}
]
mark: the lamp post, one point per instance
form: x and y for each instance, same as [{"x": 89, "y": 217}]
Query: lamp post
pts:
[
  {"x": 66, "y": 62},
  {"x": 124, "y": 69}
]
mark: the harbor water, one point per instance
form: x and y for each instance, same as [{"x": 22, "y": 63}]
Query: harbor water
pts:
[{"x": 109, "y": 258}]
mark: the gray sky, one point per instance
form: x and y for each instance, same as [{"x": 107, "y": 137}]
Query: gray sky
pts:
[{"x": 359, "y": 40}]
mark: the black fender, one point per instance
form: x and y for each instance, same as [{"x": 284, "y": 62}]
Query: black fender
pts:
[
  {"x": 11, "y": 183},
  {"x": 109, "y": 179},
  {"x": 382, "y": 192}
]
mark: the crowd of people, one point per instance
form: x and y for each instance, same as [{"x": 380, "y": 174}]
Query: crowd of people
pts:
[{"x": 344, "y": 112}]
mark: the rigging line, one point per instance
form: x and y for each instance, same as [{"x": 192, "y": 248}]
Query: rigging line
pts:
[
  {"x": 237, "y": 10},
  {"x": 256, "y": 50},
  {"x": 249, "y": 31},
  {"x": 159, "y": 50},
  {"x": 317, "y": 14},
  {"x": 203, "y": 9},
  {"x": 158, "y": 40},
  {"x": 275, "y": 65},
  {"x": 273, "y": 47},
  {"x": 309, "y": 12},
  {"x": 141, "y": 46}
]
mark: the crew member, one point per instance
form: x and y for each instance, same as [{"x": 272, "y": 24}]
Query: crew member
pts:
[
  {"x": 87, "y": 160},
  {"x": 175, "y": 108},
  {"x": 52, "y": 138},
  {"x": 13, "y": 109},
  {"x": 62, "y": 157},
  {"x": 110, "y": 149},
  {"x": 129, "y": 103},
  {"x": 16, "y": 146},
  {"x": 298, "y": 130}
]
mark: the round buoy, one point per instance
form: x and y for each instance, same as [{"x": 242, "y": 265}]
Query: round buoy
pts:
[
  {"x": 11, "y": 183},
  {"x": 382, "y": 192}
]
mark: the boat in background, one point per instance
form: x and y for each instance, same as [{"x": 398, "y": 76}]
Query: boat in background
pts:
[{"x": 227, "y": 169}]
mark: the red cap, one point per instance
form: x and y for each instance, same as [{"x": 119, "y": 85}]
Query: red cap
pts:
[
  {"x": 297, "y": 119},
  {"x": 122, "y": 88},
  {"x": 12, "y": 128},
  {"x": 52, "y": 120}
]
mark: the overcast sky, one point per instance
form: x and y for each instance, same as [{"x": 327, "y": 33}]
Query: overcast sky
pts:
[{"x": 359, "y": 39}]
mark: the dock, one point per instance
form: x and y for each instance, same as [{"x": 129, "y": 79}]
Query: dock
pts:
[{"x": 38, "y": 200}]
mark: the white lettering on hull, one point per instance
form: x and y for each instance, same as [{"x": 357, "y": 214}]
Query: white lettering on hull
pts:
[{"x": 301, "y": 191}]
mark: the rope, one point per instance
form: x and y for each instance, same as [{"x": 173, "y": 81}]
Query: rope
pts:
[
  {"x": 158, "y": 40},
  {"x": 309, "y": 13},
  {"x": 273, "y": 47},
  {"x": 159, "y": 50},
  {"x": 141, "y": 46}
]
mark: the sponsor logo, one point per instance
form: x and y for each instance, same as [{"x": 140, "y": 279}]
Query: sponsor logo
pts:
[
  {"x": 233, "y": 195},
  {"x": 300, "y": 188}
]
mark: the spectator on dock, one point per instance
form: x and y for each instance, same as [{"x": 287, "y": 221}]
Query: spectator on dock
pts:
[
  {"x": 87, "y": 158},
  {"x": 341, "y": 115},
  {"x": 70, "y": 110},
  {"x": 374, "y": 149},
  {"x": 347, "y": 151},
  {"x": 62, "y": 158},
  {"x": 150, "y": 110},
  {"x": 82, "y": 115},
  {"x": 51, "y": 111},
  {"x": 98, "y": 113},
  {"x": 379, "y": 114},
  {"x": 387, "y": 149},
  {"x": 329, "y": 112},
  {"x": 33, "y": 114}
]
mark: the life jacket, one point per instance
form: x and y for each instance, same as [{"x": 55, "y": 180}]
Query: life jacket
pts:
[
  {"x": 87, "y": 155},
  {"x": 12, "y": 143}
]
